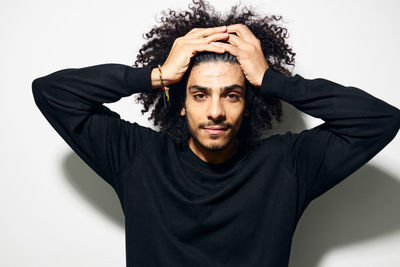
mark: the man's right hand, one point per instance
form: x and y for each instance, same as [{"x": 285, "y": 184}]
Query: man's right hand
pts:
[{"x": 184, "y": 48}]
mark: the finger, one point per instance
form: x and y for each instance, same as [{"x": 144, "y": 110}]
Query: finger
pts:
[
  {"x": 208, "y": 47},
  {"x": 203, "y": 32},
  {"x": 236, "y": 40},
  {"x": 231, "y": 49},
  {"x": 211, "y": 38},
  {"x": 242, "y": 31}
]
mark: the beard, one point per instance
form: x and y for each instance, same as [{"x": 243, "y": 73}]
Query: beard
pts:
[{"x": 213, "y": 147}]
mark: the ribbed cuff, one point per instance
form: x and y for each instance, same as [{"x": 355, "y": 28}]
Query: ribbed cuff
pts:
[
  {"x": 138, "y": 79},
  {"x": 273, "y": 83}
]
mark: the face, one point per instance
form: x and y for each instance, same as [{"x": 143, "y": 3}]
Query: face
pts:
[{"x": 215, "y": 97}]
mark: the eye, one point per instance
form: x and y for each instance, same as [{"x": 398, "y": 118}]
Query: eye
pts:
[
  {"x": 230, "y": 96},
  {"x": 196, "y": 96},
  {"x": 234, "y": 96}
]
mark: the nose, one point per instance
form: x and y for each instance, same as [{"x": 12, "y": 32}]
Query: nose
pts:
[{"x": 215, "y": 110}]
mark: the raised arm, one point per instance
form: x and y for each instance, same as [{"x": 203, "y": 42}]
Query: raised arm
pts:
[
  {"x": 356, "y": 127},
  {"x": 72, "y": 102}
]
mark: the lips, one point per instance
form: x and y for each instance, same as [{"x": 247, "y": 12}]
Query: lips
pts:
[{"x": 215, "y": 130}]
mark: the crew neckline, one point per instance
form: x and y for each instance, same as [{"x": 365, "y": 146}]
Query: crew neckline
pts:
[{"x": 198, "y": 161}]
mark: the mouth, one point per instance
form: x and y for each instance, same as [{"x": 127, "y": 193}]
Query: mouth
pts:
[{"x": 215, "y": 131}]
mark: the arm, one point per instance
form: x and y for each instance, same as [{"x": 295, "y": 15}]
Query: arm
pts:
[
  {"x": 72, "y": 102},
  {"x": 356, "y": 127}
]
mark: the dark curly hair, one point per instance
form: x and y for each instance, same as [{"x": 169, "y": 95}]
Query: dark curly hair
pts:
[{"x": 174, "y": 25}]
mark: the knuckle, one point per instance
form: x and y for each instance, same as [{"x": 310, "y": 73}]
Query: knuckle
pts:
[
  {"x": 179, "y": 41},
  {"x": 215, "y": 36},
  {"x": 258, "y": 43}
]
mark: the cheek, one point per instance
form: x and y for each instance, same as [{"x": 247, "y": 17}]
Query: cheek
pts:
[
  {"x": 191, "y": 119},
  {"x": 237, "y": 118}
]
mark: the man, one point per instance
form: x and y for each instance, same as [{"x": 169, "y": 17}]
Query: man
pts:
[{"x": 194, "y": 195}]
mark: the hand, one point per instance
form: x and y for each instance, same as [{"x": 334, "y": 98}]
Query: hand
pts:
[
  {"x": 247, "y": 49},
  {"x": 185, "y": 47}
]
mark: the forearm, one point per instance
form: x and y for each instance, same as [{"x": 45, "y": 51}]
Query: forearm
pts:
[
  {"x": 83, "y": 88},
  {"x": 349, "y": 111},
  {"x": 155, "y": 78}
]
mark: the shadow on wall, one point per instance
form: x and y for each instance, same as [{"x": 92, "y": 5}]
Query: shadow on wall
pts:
[
  {"x": 292, "y": 120},
  {"x": 359, "y": 208},
  {"x": 92, "y": 188},
  {"x": 362, "y": 207}
]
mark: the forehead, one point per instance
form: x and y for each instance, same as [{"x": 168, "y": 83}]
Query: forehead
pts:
[{"x": 216, "y": 74}]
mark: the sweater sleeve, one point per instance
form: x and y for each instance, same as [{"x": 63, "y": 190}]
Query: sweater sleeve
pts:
[
  {"x": 356, "y": 127},
  {"x": 72, "y": 102}
]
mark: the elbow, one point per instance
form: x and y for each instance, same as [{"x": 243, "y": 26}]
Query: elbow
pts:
[
  {"x": 393, "y": 127},
  {"x": 385, "y": 129},
  {"x": 397, "y": 120},
  {"x": 38, "y": 85}
]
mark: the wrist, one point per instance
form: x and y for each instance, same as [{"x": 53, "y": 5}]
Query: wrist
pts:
[{"x": 155, "y": 78}]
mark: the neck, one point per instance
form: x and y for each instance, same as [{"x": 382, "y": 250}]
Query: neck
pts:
[{"x": 215, "y": 157}]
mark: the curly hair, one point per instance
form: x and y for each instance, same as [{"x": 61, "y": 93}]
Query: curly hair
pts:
[{"x": 173, "y": 25}]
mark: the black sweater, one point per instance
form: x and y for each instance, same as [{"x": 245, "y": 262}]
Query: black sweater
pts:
[{"x": 182, "y": 211}]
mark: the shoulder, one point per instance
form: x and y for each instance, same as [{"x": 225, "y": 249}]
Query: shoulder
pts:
[{"x": 274, "y": 146}]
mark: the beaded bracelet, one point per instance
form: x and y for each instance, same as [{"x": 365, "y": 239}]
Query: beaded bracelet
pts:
[{"x": 164, "y": 88}]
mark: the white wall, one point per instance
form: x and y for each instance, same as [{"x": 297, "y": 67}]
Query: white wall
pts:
[{"x": 55, "y": 211}]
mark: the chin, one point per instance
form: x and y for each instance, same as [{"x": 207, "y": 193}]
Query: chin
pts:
[
  {"x": 216, "y": 144},
  {"x": 215, "y": 147}
]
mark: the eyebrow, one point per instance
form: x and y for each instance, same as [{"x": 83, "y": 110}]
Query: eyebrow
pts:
[{"x": 222, "y": 89}]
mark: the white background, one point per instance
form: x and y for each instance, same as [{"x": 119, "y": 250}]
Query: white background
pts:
[{"x": 55, "y": 211}]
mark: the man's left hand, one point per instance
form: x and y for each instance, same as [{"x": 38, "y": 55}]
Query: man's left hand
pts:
[{"x": 247, "y": 49}]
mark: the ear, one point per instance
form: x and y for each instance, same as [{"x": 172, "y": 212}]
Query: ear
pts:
[{"x": 183, "y": 110}]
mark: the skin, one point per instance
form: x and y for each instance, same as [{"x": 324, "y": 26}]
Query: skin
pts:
[{"x": 214, "y": 108}]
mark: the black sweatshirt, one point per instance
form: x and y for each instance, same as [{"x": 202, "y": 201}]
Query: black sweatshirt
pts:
[{"x": 182, "y": 211}]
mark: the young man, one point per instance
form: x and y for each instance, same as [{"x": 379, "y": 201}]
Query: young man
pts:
[{"x": 213, "y": 201}]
